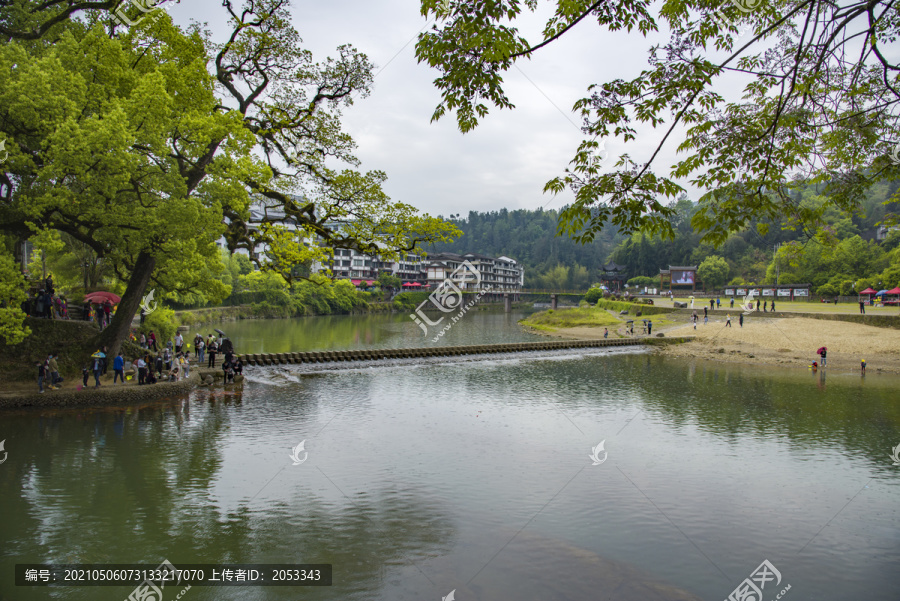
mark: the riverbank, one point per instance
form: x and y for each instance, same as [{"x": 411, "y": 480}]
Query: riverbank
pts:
[
  {"x": 787, "y": 341},
  {"x": 22, "y": 394}
]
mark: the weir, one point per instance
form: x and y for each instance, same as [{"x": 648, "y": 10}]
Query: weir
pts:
[{"x": 445, "y": 351}]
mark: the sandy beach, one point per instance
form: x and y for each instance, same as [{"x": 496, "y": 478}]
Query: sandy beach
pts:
[{"x": 780, "y": 341}]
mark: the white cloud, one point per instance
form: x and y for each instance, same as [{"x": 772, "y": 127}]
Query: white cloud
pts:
[{"x": 507, "y": 160}]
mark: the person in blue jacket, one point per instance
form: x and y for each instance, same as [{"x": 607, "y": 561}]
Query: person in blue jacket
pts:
[{"x": 119, "y": 368}]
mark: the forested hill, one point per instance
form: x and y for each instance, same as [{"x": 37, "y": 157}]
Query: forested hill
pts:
[
  {"x": 530, "y": 238},
  {"x": 559, "y": 263}
]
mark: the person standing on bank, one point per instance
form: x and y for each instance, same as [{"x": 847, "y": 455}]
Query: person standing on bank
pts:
[
  {"x": 142, "y": 370},
  {"x": 119, "y": 368},
  {"x": 211, "y": 349},
  {"x": 822, "y": 351},
  {"x": 649, "y": 327},
  {"x": 53, "y": 368},
  {"x": 97, "y": 367}
]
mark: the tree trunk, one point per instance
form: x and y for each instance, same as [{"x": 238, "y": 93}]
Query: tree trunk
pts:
[{"x": 117, "y": 331}]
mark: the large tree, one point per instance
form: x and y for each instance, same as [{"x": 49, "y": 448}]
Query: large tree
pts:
[
  {"x": 819, "y": 105},
  {"x": 148, "y": 143}
]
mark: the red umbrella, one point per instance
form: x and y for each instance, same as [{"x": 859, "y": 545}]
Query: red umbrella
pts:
[
  {"x": 869, "y": 291},
  {"x": 821, "y": 348},
  {"x": 101, "y": 297},
  {"x": 894, "y": 291}
]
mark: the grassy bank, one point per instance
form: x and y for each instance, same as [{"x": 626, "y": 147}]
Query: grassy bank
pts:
[
  {"x": 72, "y": 340},
  {"x": 551, "y": 320}
]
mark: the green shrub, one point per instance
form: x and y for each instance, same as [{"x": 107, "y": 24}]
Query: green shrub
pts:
[
  {"x": 593, "y": 295},
  {"x": 162, "y": 323},
  {"x": 632, "y": 308}
]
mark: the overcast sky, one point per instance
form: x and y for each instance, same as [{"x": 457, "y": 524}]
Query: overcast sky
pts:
[{"x": 506, "y": 161}]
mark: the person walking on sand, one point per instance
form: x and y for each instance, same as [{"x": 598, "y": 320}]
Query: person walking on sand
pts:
[
  {"x": 741, "y": 320},
  {"x": 728, "y": 320},
  {"x": 705, "y": 312},
  {"x": 821, "y": 352},
  {"x": 773, "y": 306},
  {"x": 766, "y": 307},
  {"x": 605, "y": 334}
]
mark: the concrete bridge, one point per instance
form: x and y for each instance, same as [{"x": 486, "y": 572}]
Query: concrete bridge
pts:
[{"x": 445, "y": 351}]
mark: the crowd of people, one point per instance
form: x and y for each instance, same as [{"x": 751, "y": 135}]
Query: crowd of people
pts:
[
  {"x": 44, "y": 303},
  {"x": 172, "y": 364}
]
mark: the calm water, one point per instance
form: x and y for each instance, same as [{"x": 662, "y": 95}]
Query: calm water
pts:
[
  {"x": 474, "y": 475},
  {"x": 348, "y": 332}
]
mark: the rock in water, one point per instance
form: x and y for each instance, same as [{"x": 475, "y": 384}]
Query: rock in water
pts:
[{"x": 238, "y": 378}]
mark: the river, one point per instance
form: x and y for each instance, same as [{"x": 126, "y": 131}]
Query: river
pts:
[{"x": 477, "y": 475}]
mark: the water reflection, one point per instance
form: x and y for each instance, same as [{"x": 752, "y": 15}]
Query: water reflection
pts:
[
  {"x": 347, "y": 332},
  {"x": 475, "y": 476}
]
